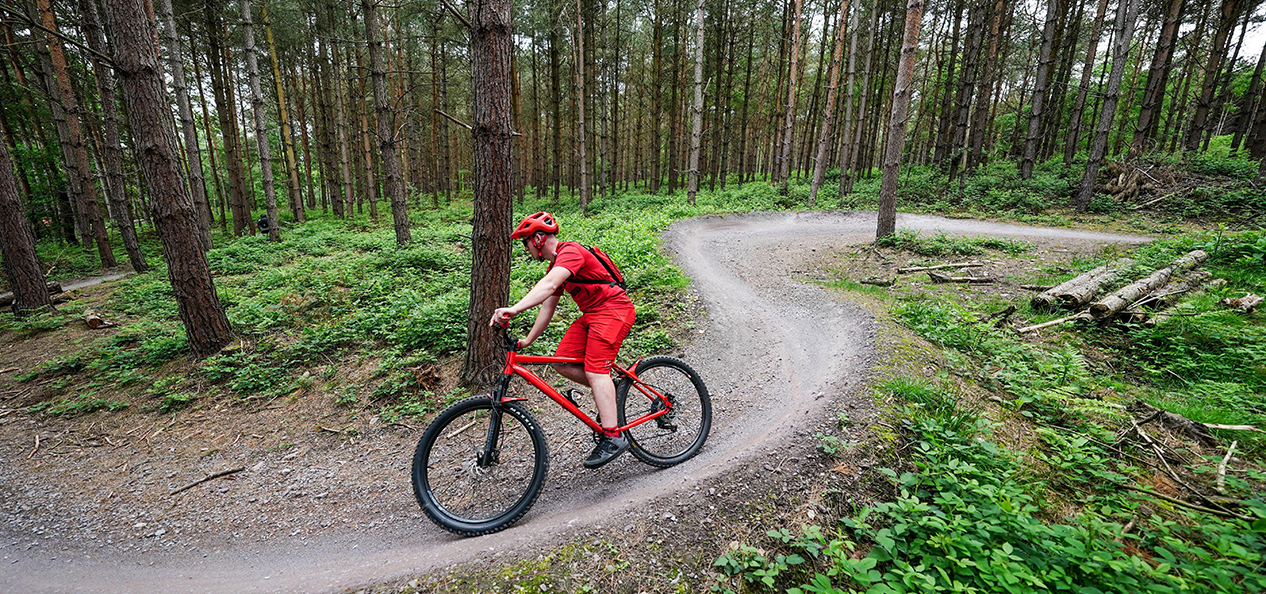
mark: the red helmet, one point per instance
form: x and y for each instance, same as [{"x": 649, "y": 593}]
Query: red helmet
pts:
[{"x": 541, "y": 221}]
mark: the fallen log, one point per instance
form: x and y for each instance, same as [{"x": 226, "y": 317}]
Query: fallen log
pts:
[
  {"x": 1245, "y": 304},
  {"x": 939, "y": 267},
  {"x": 1117, "y": 302},
  {"x": 1163, "y": 298},
  {"x": 878, "y": 281},
  {"x": 1038, "y": 288},
  {"x": 6, "y": 299},
  {"x": 94, "y": 321},
  {"x": 941, "y": 278},
  {"x": 1079, "y": 290}
]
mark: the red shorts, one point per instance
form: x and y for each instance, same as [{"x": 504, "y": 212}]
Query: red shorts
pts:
[{"x": 597, "y": 337}]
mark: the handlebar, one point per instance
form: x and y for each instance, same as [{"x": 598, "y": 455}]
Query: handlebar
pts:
[{"x": 509, "y": 342}]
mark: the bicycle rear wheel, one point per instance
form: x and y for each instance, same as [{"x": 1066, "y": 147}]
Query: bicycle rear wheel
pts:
[
  {"x": 674, "y": 437},
  {"x": 467, "y": 492}
]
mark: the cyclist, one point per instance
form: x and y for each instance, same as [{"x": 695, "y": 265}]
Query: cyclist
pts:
[{"x": 607, "y": 316}]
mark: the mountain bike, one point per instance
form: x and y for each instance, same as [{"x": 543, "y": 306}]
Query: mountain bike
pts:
[{"x": 482, "y": 462}]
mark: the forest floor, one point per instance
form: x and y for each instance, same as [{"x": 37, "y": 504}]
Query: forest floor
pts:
[{"x": 318, "y": 497}]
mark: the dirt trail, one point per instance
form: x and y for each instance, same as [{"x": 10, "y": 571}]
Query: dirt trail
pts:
[{"x": 774, "y": 350}]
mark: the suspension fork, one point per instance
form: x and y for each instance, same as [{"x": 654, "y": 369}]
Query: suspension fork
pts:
[{"x": 491, "y": 452}]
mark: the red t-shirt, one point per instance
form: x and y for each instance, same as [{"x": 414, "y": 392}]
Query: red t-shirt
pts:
[{"x": 582, "y": 264}]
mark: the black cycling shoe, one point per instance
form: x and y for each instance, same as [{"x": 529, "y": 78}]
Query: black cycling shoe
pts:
[{"x": 608, "y": 449}]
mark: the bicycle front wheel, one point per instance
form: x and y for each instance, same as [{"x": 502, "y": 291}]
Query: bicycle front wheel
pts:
[
  {"x": 674, "y": 437},
  {"x": 469, "y": 489}
]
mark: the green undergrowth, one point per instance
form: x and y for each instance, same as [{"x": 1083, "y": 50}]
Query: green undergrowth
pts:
[
  {"x": 1038, "y": 493},
  {"x": 338, "y": 308}
]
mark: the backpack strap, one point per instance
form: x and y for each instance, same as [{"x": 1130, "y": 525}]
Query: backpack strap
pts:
[{"x": 592, "y": 281}]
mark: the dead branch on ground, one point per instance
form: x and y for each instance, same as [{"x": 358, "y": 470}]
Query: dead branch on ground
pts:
[{"x": 208, "y": 478}]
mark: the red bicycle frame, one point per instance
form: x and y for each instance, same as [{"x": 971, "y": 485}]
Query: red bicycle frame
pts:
[{"x": 515, "y": 366}]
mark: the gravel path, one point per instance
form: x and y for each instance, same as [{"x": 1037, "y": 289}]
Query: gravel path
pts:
[{"x": 773, "y": 349}]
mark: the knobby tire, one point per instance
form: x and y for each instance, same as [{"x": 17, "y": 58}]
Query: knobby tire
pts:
[
  {"x": 467, "y": 498},
  {"x": 671, "y": 439}
]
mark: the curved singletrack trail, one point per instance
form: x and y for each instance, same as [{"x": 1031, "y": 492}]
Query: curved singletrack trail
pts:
[{"x": 773, "y": 349}]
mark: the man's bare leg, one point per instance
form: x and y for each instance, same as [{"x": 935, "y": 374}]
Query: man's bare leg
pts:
[{"x": 603, "y": 388}]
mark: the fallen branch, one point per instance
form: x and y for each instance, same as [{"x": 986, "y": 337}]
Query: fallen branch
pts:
[
  {"x": 1233, "y": 427},
  {"x": 1002, "y": 316},
  {"x": 941, "y": 278},
  {"x": 1036, "y": 287},
  {"x": 208, "y": 478},
  {"x": 37, "y": 447},
  {"x": 1174, "y": 422},
  {"x": 939, "y": 267},
  {"x": 1222, "y": 467},
  {"x": 1224, "y": 514},
  {"x": 878, "y": 282},
  {"x": 1078, "y": 316}
]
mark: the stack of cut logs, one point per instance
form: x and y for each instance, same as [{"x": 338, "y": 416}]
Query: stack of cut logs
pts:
[{"x": 1133, "y": 302}]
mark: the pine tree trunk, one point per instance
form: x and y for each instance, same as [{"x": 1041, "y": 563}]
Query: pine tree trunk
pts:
[
  {"x": 115, "y": 183},
  {"x": 1126, "y": 14},
  {"x": 490, "y": 246},
  {"x": 145, "y": 98},
  {"x": 1249, "y": 105},
  {"x": 226, "y": 109},
  {"x": 1040, "y": 89},
  {"x": 1157, "y": 76},
  {"x": 582, "y": 136},
  {"x": 216, "y": 178},
  {"x": 17, "y": 244},
  {"x": 1229, "y": 12},
  {"x": 897, "y": 121},
  {"x": 846, "y": 145},
  {"x": 79, "y": 167},
  {"x": 393, "y": 177},
  {"x": 783, "y": 174},
  {"x": 261, "y": 127},
  {"x": 696, "y": 110},
  {"x": 1074, "y": 126},
  {"x": 294, "y": 192},
  {"x": 828, "y": 112}
]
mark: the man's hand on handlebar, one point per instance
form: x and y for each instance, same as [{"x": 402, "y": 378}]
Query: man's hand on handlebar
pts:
[{"x": 501, "y": 317}]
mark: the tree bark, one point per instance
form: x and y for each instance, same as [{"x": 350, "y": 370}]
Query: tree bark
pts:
[
  {"x": 1115, "y": 303},
  {"x": 897, "y": 121},
  {"x": 828, "y": 111},
  {"x": 1157, "y": 76},
  {"x": 79, "y": 167},
  {"x": 226, "y": 109},
  {"x": 144, "y": 97},
  {"x": 1040, "y": 89},
  {"x": 1079, "y": 290},
  {"x": 789, "y": 120},
  {"x": 582, "y": 136},
  {"x": 393, "y": 182},
  {"x": 261, "y": 127},
  {"x": 116, "y": 187},
  {"x": 1127, "y": 11},
  {"x": 1229, "y": 11},
  {"x": 17, "y": 242},
  {"x": 696, "y": 110},
  {"x": 283, "y": 115},
  {"x": 1074, "y": 126},
  {"x": 490, "y": 45}
]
